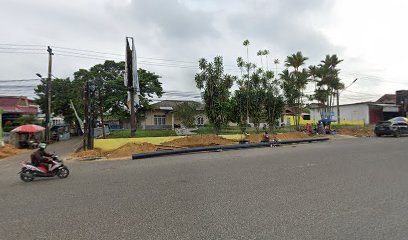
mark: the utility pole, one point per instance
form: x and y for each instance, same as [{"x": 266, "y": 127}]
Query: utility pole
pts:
[
  {"x": 48, "y": 113},
  {"x": 88, "y": 139},
  {"x": 338, "y": 99},
  {"x": 91, "y": 115},
  {"x": 132, "y": 112},
  {"x": 338, "y": 107},
  {"x": 86, "y": 102}
]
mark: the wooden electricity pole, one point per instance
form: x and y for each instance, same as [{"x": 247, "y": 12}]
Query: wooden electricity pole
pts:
[
  {"x": 48, "y": 113},
  {"x": 86, "y": 129}
]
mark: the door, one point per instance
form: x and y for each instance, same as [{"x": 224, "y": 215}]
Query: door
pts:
[{"x": 403, "y": 128}]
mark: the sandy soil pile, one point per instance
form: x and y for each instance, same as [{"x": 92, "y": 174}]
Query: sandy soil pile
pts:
[
  {"x": 9, "y": 150},
  {"x": 123, "y": 152},
  {"x": 255, "y": 138},
  {"x": 87, "y": 154},
  {"x": 130, "y": 148},
  {"x": 199, "y": 141},
  {"x": 356, "y": 132}
]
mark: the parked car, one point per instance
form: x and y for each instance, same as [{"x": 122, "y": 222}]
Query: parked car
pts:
[{"x": 391, "y": 128}]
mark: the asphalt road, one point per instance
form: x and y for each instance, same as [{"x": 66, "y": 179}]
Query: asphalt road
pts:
[{"x": 345, "y": 189}]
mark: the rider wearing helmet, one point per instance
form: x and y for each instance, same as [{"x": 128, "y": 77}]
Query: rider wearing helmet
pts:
[{"x": 41, "y": 157}]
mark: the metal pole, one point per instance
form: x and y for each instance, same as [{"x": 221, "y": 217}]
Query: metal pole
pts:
[
  {"x": 338, "y": 107},
  {"x": 132, "y": 112},
  {"x": 48, "y": 113}
]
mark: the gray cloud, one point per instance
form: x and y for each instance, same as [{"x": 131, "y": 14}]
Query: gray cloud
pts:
[{"x": 170, "y": 29}]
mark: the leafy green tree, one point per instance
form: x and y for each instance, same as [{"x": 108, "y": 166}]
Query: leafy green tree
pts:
[
  {"x": 186, "y": 112},
  {"x": 29, "y": 119},
  {"x": 328, "y": 83},
  {"x": 110, "y": 98},
  {"x": 216, "y": 86},
  {"x": 62, "y": 90},
  {"x": 295, "y": 81}
]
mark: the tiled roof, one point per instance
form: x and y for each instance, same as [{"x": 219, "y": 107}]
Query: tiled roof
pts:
[
  {"x": 173, "y": 103},
  {"x": 20, "y": 104},
  {"x": 388, "y": 98}
]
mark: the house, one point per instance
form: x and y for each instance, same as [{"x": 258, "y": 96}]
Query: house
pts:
[
  {"x": 162, "y": 116},
  {"x": 14, "y": 107},
  {"x": 362, "y": 113}
]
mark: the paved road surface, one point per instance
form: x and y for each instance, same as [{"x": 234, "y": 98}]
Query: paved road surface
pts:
[{"x": 347, "y": 189}]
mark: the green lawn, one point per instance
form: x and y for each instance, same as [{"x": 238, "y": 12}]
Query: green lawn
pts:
[
  {"x": 142, "y": 133},
  {"x": 236, "y": 130}
]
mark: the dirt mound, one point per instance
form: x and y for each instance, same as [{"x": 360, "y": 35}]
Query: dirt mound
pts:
[
  {"x": 254, "y": 138},
  {"x": 292, "y": 135},
  {"x": 87, "y": 154},
  {"x": 10, "y": 150},
  {"x": 130, "y": 148},
  {"x": 199, "y": 141},
  {"x": 356, "y": 132}
]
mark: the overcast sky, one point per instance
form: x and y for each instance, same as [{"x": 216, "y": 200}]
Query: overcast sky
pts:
[{"x": 171, "y": 35}]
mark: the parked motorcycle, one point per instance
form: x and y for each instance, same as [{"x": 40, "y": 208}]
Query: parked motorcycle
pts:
[{"x": 29, "y": 172}]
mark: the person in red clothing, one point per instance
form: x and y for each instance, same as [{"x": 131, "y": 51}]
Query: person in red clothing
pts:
[{"x": 41, "y": 157}]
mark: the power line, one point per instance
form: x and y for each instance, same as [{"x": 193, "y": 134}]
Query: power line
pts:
[
  {"x": 22, "y": 45},
  {"x": 24, "y": 52},
  {"x": 19, "y": 80}
]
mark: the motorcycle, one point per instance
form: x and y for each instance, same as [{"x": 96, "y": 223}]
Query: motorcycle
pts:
[{"x": 29, "y": 172}]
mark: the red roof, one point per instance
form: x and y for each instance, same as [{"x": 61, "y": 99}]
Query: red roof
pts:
[
  {"x": 20, "y": 104},
  {"x": 388, "y": 98}
]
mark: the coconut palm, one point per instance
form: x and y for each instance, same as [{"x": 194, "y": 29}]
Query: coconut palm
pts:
[
  {"x": 301, "y": 78},
  {"x": 266, "y": 54},
  {"x": 260, "y": 53},
  {"x": 295, "y": 61}
]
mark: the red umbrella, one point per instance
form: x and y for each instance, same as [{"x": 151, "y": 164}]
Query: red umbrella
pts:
[{"x": 29, "y": 128}]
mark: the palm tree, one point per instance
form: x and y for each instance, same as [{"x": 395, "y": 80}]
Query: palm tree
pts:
[
  {"x": 246, "y": 44},
  {"x": 240, "y": 64},
  {"x": 276, "y": 62},
  {"x": 295, "y": 61},
  {"x": 266, "y": 53},
  {"x": 301, "y": 78},
  {"x": 260, "y": 53}
]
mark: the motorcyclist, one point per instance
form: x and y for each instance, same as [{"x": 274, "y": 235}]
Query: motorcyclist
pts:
[{"x": 41, "y": 157}]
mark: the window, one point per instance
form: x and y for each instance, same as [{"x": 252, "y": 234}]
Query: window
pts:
[
  {"x": 306, "y": 117},
  {"x": 200, "y": 121},
  {"x": 159, "y": 120}
]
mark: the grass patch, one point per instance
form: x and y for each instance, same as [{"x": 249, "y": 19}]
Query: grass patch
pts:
[
  {"x": 142, "y": 133},
  {"x": 236, "y": 130}
]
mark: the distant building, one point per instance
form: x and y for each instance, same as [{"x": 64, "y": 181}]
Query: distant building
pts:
[
  {"x": 162, "y": 116},
  {"x": 384, "y": 108},
  {"x": 14, "y": 107}
]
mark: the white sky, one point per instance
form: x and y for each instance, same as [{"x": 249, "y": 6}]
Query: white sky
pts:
[{"x": 369, "y": 35}]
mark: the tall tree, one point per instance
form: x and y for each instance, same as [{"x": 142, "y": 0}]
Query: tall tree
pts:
[
  {"x": 111, "y": 94},
  {"x": 62, "y": 91},
  {"x": 186, "y": 112},
  {"x": 328, "y": 83},
  {"x": 300, "y": 78},
  {"x": 215, "y": 85}
]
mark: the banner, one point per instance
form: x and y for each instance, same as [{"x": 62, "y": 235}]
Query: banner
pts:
[{"x": 81, "y": 123}]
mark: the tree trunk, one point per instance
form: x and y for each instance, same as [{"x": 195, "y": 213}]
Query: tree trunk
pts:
[
  {"x": 101, "y": 114},
  {"x": 298, "y": 115}
]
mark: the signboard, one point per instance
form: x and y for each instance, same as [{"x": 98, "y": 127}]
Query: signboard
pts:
[
  {"x": 390, "y": 109},
  {"x": 131, "y": 77},
  {"x": 327, "y": 114}
]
